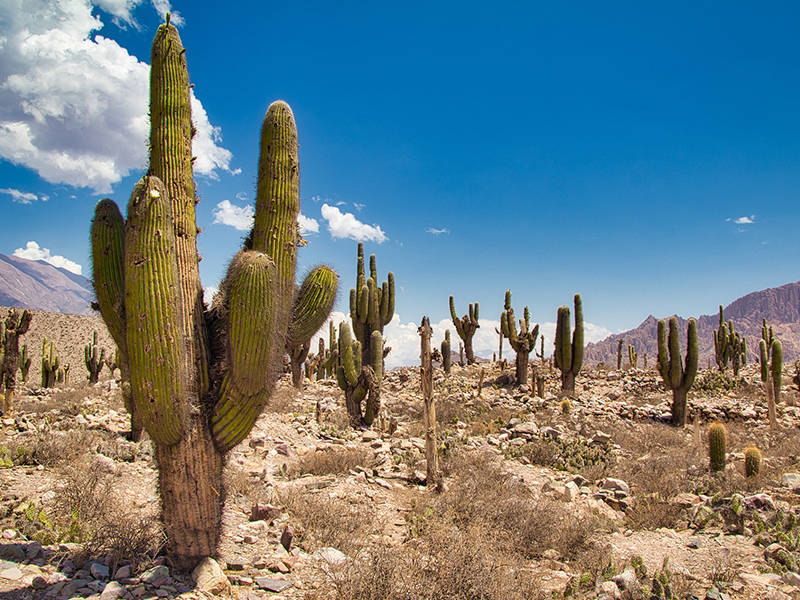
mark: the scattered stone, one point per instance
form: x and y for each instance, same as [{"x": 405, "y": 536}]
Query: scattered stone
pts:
[
  {"x": 286, "y": 537},
  {"x": 332, "y": 556},
  {"x": 112, "y": 591},
  {"x": 273, "y": 585},
  {"x": 791, "y": 480},
  {"x": 209, "y": 577},
  {"x": 156, "y": 576},
  {"x": 123, "y": 572},
  {"x": 615, "y": 485},
  {"x": 12, "y": 574},
  {"x": 264, "y": 512},
  {"x": 791, "y": 578},
  {"x": 99, "y": 571}
]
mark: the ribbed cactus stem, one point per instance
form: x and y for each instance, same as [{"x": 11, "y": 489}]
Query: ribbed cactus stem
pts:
[
  {"x": 776, "y": 369},
  {"x": 94, "y": 358},
  {"x": 522, "y": 341},
  {"x": 717, "y": 439},
  {"x": 16, "y": 325},
  {"x": 752, "y": 461},
  {"x": 446, "y": 353}
]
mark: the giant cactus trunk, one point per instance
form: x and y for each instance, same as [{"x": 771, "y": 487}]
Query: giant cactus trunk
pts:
[
  {"x": 15, "y": 326},
  {"x": 198, "y": 379}
]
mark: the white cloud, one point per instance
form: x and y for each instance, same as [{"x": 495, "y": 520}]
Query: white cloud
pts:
[
  {"x": 238, "y": 217},
  {"x": 307, "y": 224},
  {"x": 210, "y": 156},
  {"x": 32, "y": 251},
  {"x": 23, "y": 197},
  {"x": 208, "y": 294},
  {"x": 345, "y": 225},
  {"x": 745, "y": 220},
  {"x": 74, "y": 108},
  {"x": 358, "y": 206},
  {"x": 241, "y": 217},
  {"x": 437, "y": 231}
]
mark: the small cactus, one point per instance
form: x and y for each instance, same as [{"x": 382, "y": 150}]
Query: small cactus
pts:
[
  {"x": 447, "y": 359},
  {"x": 566, "y": 406},
  {"x": 633, "y": 356},
  {"x": 752, "y": 461},
  {"x": 717, "y": 439},
  {"x": 24, "y": 363},
  {"x": 359, "y": 382},
  {"x": 50, "y": 363}
]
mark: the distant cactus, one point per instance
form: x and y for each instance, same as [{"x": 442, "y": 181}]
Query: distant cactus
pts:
[
  {"x": 633, "y": 356},
  {"x": 717, "y": 453},
  {"x": 16, "y": 325},
  {"x": 24, "y": 363},
  {"x": 729, "y": 345},
  {"x": 94, "y": 359},
  {"x": 620, "y": 342},
  {"x": 678, "y": 377},
  {"x": 447, "y": 359},
  {"x": 523, "y": 341},
  {"x": 199, "y": 378},
  {"x": 50, "y": 363},
  {"x": 569, "y": 347},
  {"x": 499, "y": 333},
  {"x": 772, "y": 369},
  {"x": 466, "y": 327},
  {"x": 330, "y": 357},
  {"x": 359, "y": 382},
  {"x": 752, "y": 461},
  {"x": 566, "y": 406}
]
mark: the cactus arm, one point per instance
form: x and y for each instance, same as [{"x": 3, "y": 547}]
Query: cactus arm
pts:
[
  {"x": 663, "y": 360},
  {"x": 387, "y": 300},
  {"x": 777, "y": 359},
  {"x": 675, "y": 366},
  {"x": 762, "y": 346},
  {"x": 313, "y": 304},
  {"x": 155, "y": 321},
  {"x": 577, "y": 336},
  {"x": 108, "y": 247},
  {"x": 692, "y": 362},
  {"x": 456, "y": 320},
  {"x": 563, "y": 353}
]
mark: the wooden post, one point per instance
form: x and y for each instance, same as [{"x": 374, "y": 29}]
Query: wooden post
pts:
[{"x": 429, "y": 413}]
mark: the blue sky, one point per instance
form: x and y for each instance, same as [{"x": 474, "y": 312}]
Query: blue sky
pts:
[{"x": 644, "y": 155}]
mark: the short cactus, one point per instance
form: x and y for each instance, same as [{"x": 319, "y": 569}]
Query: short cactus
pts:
[
  {"x": 24, "y": 363},
  {"x": 466, "y": 327},
  {"x": 16, "y": 325},
  {"x": 633, "y": 356},
  {"x": 94, "y": 359},
  {"x": 359, "y": 382},
  {"x": 523, "y": 341},
  {"x": 717, "y": 453},
  {"x": 198, "y": 378},
  {"x": 752, "y": 461},
  {"x": 569, "y": 346},
  {"x": 678, "y": 377}
]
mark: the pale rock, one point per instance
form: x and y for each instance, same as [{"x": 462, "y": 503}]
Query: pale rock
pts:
[
  {"x": 332, "y": 556},
  {"x": 209, "y": 577}
]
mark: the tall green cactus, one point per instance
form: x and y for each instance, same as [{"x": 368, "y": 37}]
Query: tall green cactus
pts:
[
  {"x": 466, "y": 327},
  {"x": 94, "y": 359},
  {"x": 729, "y": 345},
  {"x": 569, "y": 345},
  {"x": 330, "y": 357},
  {"x": 633, "y": 356},
  {"x": 198, "y": 379},
  {"x": 678, "y": 377},
  {"x": 50, "y": 363},
  {"x": 772, "y": 369},
  {"x": 523, "y": 342},
  {"x": 16, "y": 325},
  {"x": 359, "y": 381},
  {"x": 447, "y": 358}
]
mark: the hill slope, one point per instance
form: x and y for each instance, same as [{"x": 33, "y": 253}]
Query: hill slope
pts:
[
  {"x": 38, "y": 285},
  {"x": 780, "y": 306}
]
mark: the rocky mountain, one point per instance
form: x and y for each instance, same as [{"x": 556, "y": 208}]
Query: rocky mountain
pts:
[
  {"x": 780, "y": 306},
  {"x": 38, "y": 285}
]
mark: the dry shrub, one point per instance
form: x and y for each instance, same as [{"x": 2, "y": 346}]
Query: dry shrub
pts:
[
  {"x": 321, "y": 521},
  {"x": 333, "y": 461},
  {"x": 49, "y": 447},
  {"x": 449, "y": 563},
  {"x": 239, "y": 482},
  {"x": 482, "y": 496}
]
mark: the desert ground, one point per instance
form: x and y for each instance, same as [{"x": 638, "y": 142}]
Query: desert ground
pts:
[{"x": 598, "y": 499}]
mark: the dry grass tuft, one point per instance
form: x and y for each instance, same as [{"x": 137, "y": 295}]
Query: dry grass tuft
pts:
[{"x": 334, "y": 461}]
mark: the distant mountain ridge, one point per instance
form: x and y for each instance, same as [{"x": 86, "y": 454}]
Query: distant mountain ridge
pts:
[
  {"x": 780, "y": 306},
  {"x": 38, "y": 285}
]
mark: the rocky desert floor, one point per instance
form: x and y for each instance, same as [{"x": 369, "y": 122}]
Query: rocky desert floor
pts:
[{"x": 602, "y": 500}]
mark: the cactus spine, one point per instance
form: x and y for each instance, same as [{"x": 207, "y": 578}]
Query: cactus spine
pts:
[
  {"x": 672, "y": 370},
  {"x": 752, "y": 461},
  {"x": 16, "y": 325},
  {"x": 447, "y": 358},
  {"x": 198, "y": 380},
  {"x": 94, "y": 358},
  {"x": 569, "y": 352},
  {"x": 717, "y": 437},
  {"x": 466, "y": 327},
  {"x": 523, "y": 342}
]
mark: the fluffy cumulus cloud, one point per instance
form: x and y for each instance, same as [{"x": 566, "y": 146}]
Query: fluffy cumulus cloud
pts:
[
  {"x": 345, "y": 225},
  {"x": 434, "y": 231},
  {"x": 23, "y": 197},
  {"x": 32, "y": 251},
  {"x": 238, "y": 217},
  {"x": 745, "y": 220},
  {"x": 74, "y": 107},
  {"x": 307, "y": 224}
]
